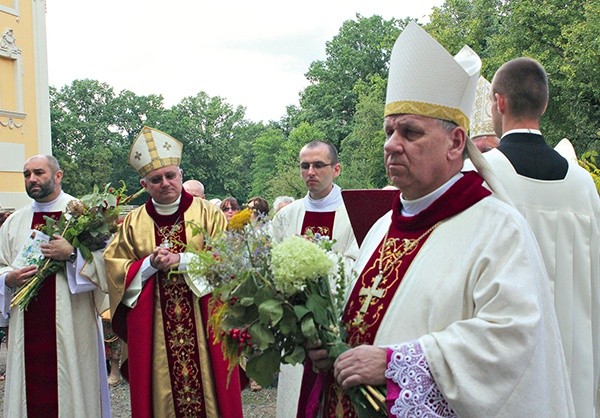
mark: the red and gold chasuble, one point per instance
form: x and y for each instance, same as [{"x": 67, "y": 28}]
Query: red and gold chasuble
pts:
[
  {"x": 39, "y": 325},
  {"x": 178, "y": 323},
  {"x": 383, "y": 274},
  {"x": 179, "y": 326},
  {"x": 318, "y": 223},
  {"x": 168, "y": 321}
]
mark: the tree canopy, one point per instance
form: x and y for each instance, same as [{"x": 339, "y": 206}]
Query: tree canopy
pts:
[{"x": 93, "y": 126}]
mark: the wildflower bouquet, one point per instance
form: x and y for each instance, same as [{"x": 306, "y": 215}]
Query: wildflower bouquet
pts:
[
  {"x": 87, "y": 224},
  {"x": 271, "y": 299}
]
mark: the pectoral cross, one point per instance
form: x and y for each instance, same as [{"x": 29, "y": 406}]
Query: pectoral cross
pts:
[
  {"x": 371, "y": 292},
  {"x": 166, "y": 244}
]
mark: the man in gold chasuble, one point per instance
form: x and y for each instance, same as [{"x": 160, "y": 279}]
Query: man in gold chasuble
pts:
[{"x": 173, "y": 367}]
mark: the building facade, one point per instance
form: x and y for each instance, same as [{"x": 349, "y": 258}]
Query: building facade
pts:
[{"x": 24, "y": 94}]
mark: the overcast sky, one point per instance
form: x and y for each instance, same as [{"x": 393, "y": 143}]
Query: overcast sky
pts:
[{"x": 250, "y": 53}]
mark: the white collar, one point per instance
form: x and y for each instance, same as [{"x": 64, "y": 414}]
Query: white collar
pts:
[
  {"x": 522, "y": 131},
  {"x": 414, "y": 207},
  {"x": 168, "y": 208},
  {"x": 329, "y": 203},
  {"x": 45, "y": 206}
]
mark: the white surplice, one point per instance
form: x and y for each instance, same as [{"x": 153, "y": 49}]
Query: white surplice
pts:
[
  {"x": 478, "y": 301},
  {"x": 564, "y": 215},
  {"x": 288, "y": 222},
  {"x": 80, "y": 299}
]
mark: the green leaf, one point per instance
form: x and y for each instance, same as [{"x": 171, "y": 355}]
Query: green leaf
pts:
[
  {"x": 270, "y": 312},
  {"x": 264, "y": 367},
  {"x": 297, "y": 356},
  {"x": 301, "y": 311},
  {"x": 247, "y": 301},
  {"x": 309, "y": 330},
  {"x": 320, "y": 309},
  {"x": 86, "y": 253},
  {"x": 263, "y": 294},
  {"x": 261, "y": 336},
  {"x": 246, "y": 288},
  {"x": 289, "y": 323}
]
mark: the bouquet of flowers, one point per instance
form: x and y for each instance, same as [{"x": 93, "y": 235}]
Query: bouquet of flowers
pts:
[
  {"x": 271, "y": 299},
  {"x": 87, "y": 224}
]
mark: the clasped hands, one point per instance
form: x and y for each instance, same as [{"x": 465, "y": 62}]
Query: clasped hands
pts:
[
  {"x": 58, "y": 248},
  {"x": 362, "y": 365},
  {"x": 163, "y": 259}
]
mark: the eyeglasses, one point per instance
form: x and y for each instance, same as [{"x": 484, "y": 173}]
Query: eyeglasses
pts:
[
  {"x": 318, "y": 165},
  {"x": 229, "y": 209},
  {"x": 158, "y": 179}
]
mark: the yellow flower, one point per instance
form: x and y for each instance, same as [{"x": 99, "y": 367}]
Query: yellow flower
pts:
[{"x": 239, "y": 220}]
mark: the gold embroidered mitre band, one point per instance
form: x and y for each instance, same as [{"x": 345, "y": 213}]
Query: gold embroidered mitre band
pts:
[
  {"x": 424, "y": 79},
  {"x": 481, "y": 120},
  {"x": 154, "y": 149}
]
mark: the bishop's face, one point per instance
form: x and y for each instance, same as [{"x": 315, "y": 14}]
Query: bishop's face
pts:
[
  {"x": 420, "y": 155},
  {"x": 164, "y": 184}
]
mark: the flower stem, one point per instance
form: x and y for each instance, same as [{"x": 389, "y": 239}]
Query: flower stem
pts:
[
  {"x": 30, "y": 289},
  {"x": 369, "y": 398},
  {"x": 378, "y": 396}
]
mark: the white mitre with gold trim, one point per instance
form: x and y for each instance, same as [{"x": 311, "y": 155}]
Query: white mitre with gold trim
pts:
[
  {"x": 426, "y": 80},
  {"x": 154, "y": 149},
  {"x": 481, "y": 121}
]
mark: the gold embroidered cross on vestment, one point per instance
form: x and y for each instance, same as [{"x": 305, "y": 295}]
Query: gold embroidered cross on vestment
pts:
[
  {"x": 168, "y": 233},
  {"x": 373, "y": 291}
]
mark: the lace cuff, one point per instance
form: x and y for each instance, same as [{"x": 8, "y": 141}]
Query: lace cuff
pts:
[{"x": 411, "y": 387}]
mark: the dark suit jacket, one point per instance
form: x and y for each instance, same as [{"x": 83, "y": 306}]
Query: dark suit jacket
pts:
[{"x": 532, "y": 157}]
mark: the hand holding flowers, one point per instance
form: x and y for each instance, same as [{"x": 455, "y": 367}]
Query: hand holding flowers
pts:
[
  {"x": 272, "y": 300},
  {"x": 86, "y": 225}
]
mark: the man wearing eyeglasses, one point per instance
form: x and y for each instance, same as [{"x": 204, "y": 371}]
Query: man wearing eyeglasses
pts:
[
  {"x": 174, "y": 369},
  {"x": 321, "y": 211}
]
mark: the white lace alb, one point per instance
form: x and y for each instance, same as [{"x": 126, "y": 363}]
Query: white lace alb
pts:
[{"x": 419, "y": 394}]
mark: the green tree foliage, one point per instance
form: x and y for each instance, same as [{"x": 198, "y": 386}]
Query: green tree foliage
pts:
[
  {"x": 560, "y": 34},
  {"x": 264, "y": 167},
  {"x": 467, "y": 22},
  {"x": 92, "y": 129},
  {"x": 243, "y": 182},
  {"x": 212, "y": 133},
  {"x": 288, "y": 180},
  {"x": 581, "y": 69},
  {"x": 361, "y": 49},
  {"x": 362, "y": 150}
]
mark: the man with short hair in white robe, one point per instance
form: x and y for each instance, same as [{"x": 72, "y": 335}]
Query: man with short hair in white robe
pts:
[
  {"x": 321, "y": 211},
  {"x": 56, "y": 364},
  {"x": 561, "y": 204},
  {"x": 452, "y": 310}
]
